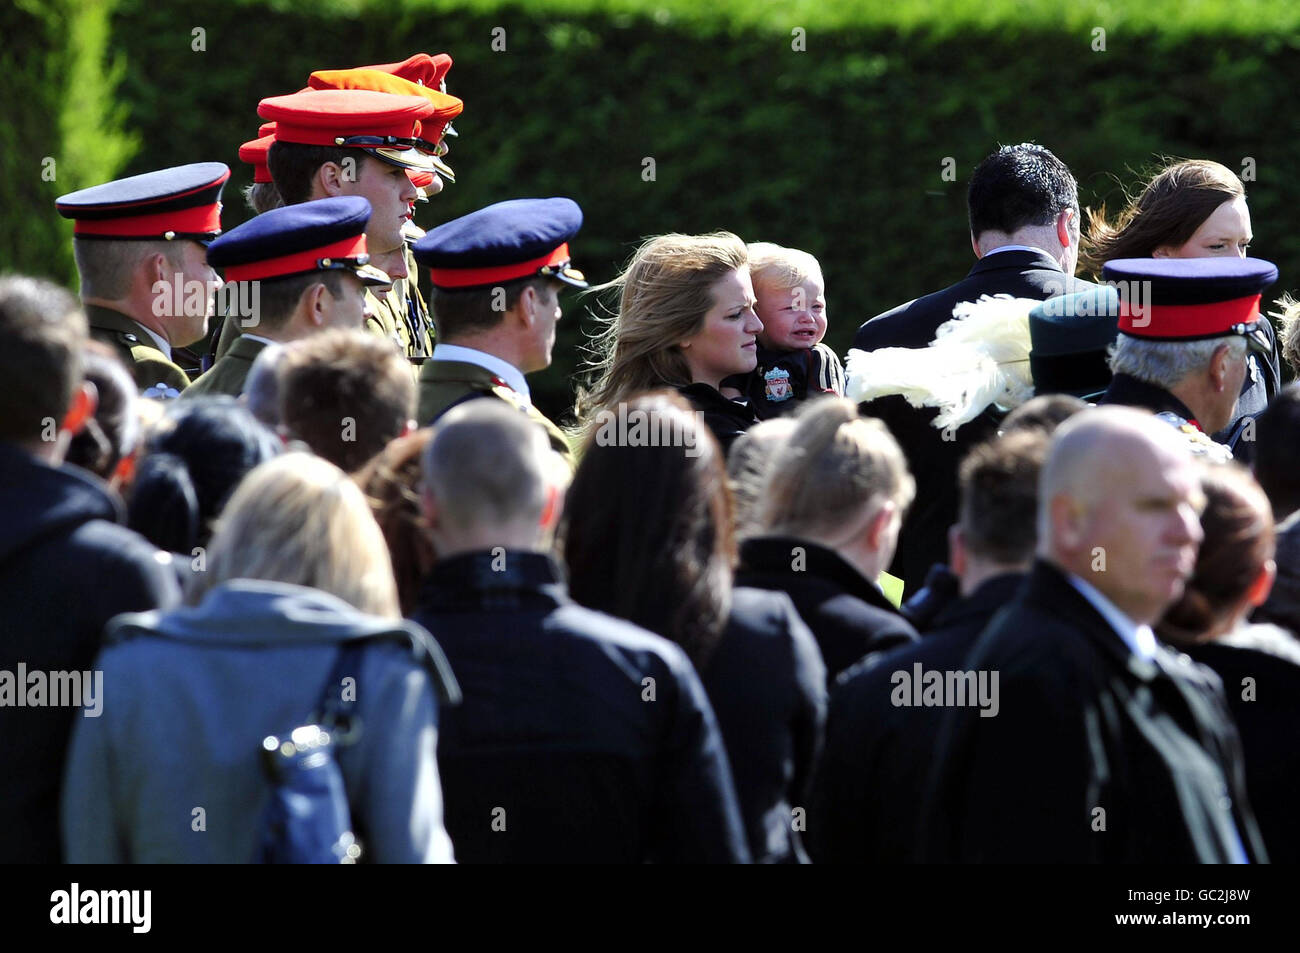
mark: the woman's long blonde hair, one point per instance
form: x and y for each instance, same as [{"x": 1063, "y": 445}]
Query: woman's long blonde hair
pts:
[
  {"x": 300, "y": 519},
  {"x": 664, "y": 294}
]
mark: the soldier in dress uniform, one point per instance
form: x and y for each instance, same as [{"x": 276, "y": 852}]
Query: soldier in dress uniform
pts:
[
  {"x": 311, "y": 267},
  {"x": 1186, "y": 329},
  {"x": 401, "y": 313},
  {"x": 140, "y": 246},
  {"x": 496, "y": 276}
]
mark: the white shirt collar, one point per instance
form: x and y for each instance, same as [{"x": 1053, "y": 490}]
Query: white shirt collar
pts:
[
  {"x": 1139, "y": 638},
  {"x": 258, "y": 337},
  {"x": 1002, "y": 248},
  {"x": 159, "y": 340},
  {"x": 513, "y": 377}
]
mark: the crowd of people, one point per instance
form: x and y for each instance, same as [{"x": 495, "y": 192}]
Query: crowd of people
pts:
[{"x": 1010, "y": 581}]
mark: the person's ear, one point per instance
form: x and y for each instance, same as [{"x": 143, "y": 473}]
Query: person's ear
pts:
[
  {"x": 1064, "y": 233},
  {"x": 428, "y": 506},
  {"x": 975, "y": 245},
  {"x": 529, "y": 303},
  {"x": 1066, "y": 515},
  {"x": 956, "y": 550},
  {"x": 1164, "y": 251},
  {"x": 85, "y": 401},
  {"x": 878, "y": 527},
  {"x": 329, "y": 179},
  {"x": 1219, "y": 367},
  {"x": 1259, "y": 590},
  {"x": 409, "y": 427},
  {"x": 316, "y": 307},
  {"x": 551, "y": 511}
]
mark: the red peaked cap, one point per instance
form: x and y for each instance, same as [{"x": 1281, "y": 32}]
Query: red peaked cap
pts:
[
  {"x": 335, "y": 117},
  {"x": 445, "y": 107},
  {"x": 254, "y": 153},
  {"x": 420, "y": 68},
  {"x": 317, "y": 117}
]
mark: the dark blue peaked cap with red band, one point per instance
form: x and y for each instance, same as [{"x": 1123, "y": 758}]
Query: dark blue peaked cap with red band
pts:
[
  {"x": 178, "y": 203},
  {"x": 328, "y": 234},
  {"x": 520, "y": 238},
  {"x": 1187, "y": 299}
]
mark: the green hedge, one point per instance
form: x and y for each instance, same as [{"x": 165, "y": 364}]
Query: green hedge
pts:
[
  {"x": 62, "y": 127},
  {"x": 839, "y": 149}
]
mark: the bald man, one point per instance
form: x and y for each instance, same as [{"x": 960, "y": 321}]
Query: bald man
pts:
[{"x": 1102, "y": 744}]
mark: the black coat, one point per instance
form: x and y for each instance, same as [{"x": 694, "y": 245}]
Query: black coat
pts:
[
  {"x": 1021, "y": 274},
  {"x": 1267, "y": 711},
  {"x": 933, "y": 456},
  {"x": 727, "y": 418},
  {"x": 767, "y": 684},
  {"x": 847, "y": 613},
  {"x": 1094, "y": 755},
  {"x": 580, "y": 737},
  {"x": 866, "y": 797},
  {"x": 66, "y": 568}
]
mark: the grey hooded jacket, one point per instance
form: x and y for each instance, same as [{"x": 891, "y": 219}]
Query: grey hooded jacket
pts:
[{"x": 169, "y": 771}]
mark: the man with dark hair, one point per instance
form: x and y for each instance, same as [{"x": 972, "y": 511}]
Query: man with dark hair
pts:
[
  {"x": 1023, "y": 204},
  {"x": 497, "y": 274},
  {"x": 66, "y": 566},
  {"x": 877, "y": 752},
  {"x": 140, "y": 245},
  {"x": 1277, "y": 452},
  {"x": 1024, "y": 229},
  {"x": 580, "y": 738},
  {"x": 1101, "y": 745},
  {"x": 360, "y": 132},
  {"x": 308, "y": 267},
  {"x": 345, "y": 394}
]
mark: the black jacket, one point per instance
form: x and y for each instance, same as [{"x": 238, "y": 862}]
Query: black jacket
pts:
[
  {"x": 1130, "y": 392},
  {"x": 847, "y": 613},
  {"x": 767, "y": 684},
  {"x": 932, "y": 455},
  {"x": 1021, "y": 274},
  {"x": 580, "y": 737},
  {"x": 1094, "y": 755},
  {"x": 66, "y": 568},
  {"x": 866, "y": 798},
  {"x": 1260, "y": 668},
  {"x": 727, "y": 418}
]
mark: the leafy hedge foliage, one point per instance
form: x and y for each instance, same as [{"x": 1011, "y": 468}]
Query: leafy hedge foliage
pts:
[
  {"x": 61, "y": 127},
  {"x": 839, "y": 149}
]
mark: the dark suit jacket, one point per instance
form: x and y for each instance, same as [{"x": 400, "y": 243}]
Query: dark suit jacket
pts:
[
  {"x": 933, "y": 457},
  {"x": 580, "y": 738},
  {"x": 848, "y": 614},
  {"x": 1095, "y": 755},
  {"x": 767, "y": 684},
  {"x": 1267, "y": 710},
  {"x": 865, "y": 804},
  {"x": 1021, "y": 274}
]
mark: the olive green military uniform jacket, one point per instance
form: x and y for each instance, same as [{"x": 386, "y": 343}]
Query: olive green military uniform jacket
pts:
[
  {"x": 155, "y": 374},
  {"x": 443, "y": 384},
  {"x": 228, "y": 375}
]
